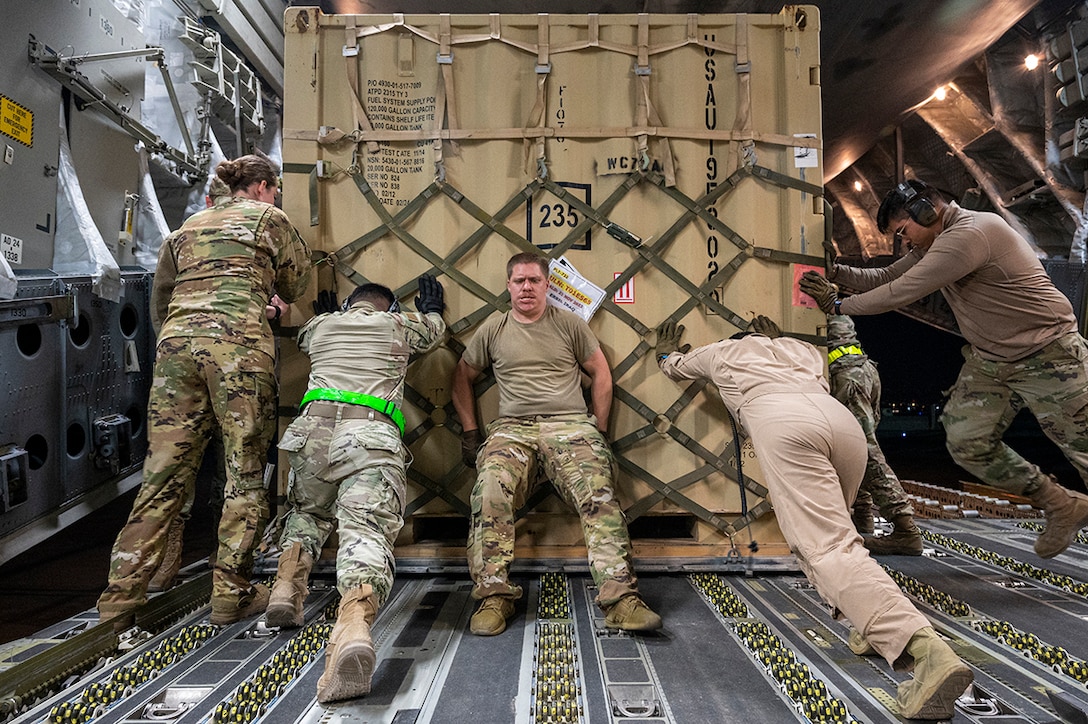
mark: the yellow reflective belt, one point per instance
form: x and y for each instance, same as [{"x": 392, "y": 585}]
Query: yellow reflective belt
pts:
[
  {"x": 840, "y": 351},
  {"x": 357, "y": 398}
]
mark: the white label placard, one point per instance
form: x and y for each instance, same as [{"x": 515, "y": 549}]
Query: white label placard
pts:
[{"x": 11, "y": 249}]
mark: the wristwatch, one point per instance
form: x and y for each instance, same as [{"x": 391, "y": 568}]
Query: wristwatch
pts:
[{"x": 838, "y": 306}]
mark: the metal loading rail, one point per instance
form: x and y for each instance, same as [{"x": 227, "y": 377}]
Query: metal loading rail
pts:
[{"x": 734, "y": 648}]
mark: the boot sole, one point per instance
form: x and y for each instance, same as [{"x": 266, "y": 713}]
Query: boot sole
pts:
[
  {"x": 283, "y": 616},
  {"x": 893, "y": 553},
  {"x": 941, "y": 702},
  {"x": 647, "y": 626},
  {"x": 874, "y": 546},
  {"x": 351, "y": 677}
]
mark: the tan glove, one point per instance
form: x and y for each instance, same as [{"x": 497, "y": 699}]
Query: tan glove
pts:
[
  {"x": 668, "y": 339},
  {"x": 824, "y": 292},
  {"x": 765, "y": 326}
]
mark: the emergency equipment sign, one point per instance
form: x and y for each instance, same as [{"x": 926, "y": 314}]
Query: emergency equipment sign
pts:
[{"x": 16, "y": 121}]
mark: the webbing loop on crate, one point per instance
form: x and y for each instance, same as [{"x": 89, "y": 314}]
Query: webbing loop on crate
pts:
[
  {"x": 446, "y": 101},
  {"x": 351, "y": 59},
  {"x": 741, "y": 149},
  {"x": 537, "y": 162},
  {"x": 646, "y": 112}
]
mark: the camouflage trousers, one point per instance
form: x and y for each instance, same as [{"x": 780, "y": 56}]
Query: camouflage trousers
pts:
[
  {"x": 351, "y": 473},
  {"x": 197, "y": 381},
  {"x": 575, "y": 456},
  {"x": 1052, "y": 383},
  {"x": 857, "y": 386}
]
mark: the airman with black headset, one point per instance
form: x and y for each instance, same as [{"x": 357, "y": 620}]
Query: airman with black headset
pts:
[{"x": 1024, "y": 348}]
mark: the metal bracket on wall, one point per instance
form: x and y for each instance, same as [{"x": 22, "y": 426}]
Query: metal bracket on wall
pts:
[
  {"x": 17, "y": 312},
  {"x": 64, "y": 70}
]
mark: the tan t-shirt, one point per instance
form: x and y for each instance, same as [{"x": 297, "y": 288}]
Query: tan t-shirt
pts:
[
  {"x": 536, "y": 365},
  {"x": 366, "y": 350}
]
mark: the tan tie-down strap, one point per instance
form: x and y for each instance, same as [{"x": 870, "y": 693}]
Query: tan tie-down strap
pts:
[
  {"x": 646, "y": 114},
  {"x": 351, "y": 58},
  {"x": 446, "y": 97},
  {"x": 742, "y": 145},
  {"x": 535, "y": 125}
]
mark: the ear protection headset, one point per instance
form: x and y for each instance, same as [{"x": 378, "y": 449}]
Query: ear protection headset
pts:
[{"x": 919, "y": 207}]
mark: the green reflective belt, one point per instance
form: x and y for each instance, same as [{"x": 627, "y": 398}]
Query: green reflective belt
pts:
[
  {"x": 357, "y": 398},
  {"x": 840, "y": 351}
]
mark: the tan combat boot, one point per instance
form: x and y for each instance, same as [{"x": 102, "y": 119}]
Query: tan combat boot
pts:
[
  {"x": 228, "y": 612},
  {"x": 862, "y": 516},
  {"x": 490, "y": 617},
  {"x": 164, "y": 575},
  {"x": 122, "y": 614},
  {"x": 349, "y": 655},
  {"x": 631, "y": 613},
  {"x": 940, "y": 677},
  {"x": 904, "y": 540},
  {"x": 1066, "y": 513},
  {"x": 290, "y": 589}
]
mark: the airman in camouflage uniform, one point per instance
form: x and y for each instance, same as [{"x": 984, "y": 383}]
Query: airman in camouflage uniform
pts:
[
  {"x": 536, "y": 352},
  {"x": 1024, "y": 348},
  {"x": 856, "y": 384},
  {"x": 214, "y": 362},
  {"x": 164, "y": 576},
  {"x": 349, "y": 467}
]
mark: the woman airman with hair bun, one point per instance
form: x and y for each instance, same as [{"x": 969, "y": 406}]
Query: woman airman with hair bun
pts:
[{"x": 215, "y": 363}]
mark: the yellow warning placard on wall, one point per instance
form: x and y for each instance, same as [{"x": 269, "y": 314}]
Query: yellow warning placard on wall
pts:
[{"x": 16, "y": 121}]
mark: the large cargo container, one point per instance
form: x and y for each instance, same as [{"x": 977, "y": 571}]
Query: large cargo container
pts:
[{"x": 673, "y": 161}]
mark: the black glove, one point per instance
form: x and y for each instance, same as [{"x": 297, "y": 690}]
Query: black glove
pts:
[
  {"x": 326, "y": 303},
  {"x": 668, "y": 339},
  {"x": 765, "y": 326},
  {"x": 824, "y": 292},
  {"x": 471, "y": 440},
  {"x": 431, "y": 296}
]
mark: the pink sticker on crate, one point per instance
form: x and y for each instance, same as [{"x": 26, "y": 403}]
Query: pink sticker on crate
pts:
[{"x": 800, "y": 299}]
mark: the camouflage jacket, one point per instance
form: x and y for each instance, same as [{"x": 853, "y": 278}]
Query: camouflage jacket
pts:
[
  {"x": 218, "y": 271},
  {"x": 366, "y": 350}
]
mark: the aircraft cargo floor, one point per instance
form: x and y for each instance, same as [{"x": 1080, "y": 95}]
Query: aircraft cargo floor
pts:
[{"x": 734, "y": 648}]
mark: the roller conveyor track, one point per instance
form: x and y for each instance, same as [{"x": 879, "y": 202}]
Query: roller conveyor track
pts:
[{"x": 734, "y": 648}]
